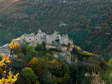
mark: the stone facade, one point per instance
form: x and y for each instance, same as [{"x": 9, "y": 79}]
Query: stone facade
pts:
[{"x": 53, "y": 41}]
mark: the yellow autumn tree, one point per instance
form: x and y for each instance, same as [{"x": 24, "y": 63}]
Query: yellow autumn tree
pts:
[
  {"x": 4, "y": 61},
  {"x": 86, "y": 53},
  {"x": 14, "y": 45},
  {"x": 10, "y": 78}
]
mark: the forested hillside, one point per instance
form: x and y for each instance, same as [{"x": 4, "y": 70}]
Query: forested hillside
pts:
[
  {"x": 51, "y": 59},
  {"x": 88, "y": 21}
]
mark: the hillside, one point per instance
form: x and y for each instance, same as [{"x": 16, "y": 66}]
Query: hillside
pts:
[
  {"x": 78, "y": 52},
  {"x": 44, "y": 58},
  {"x": 67, "y": 16}
]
